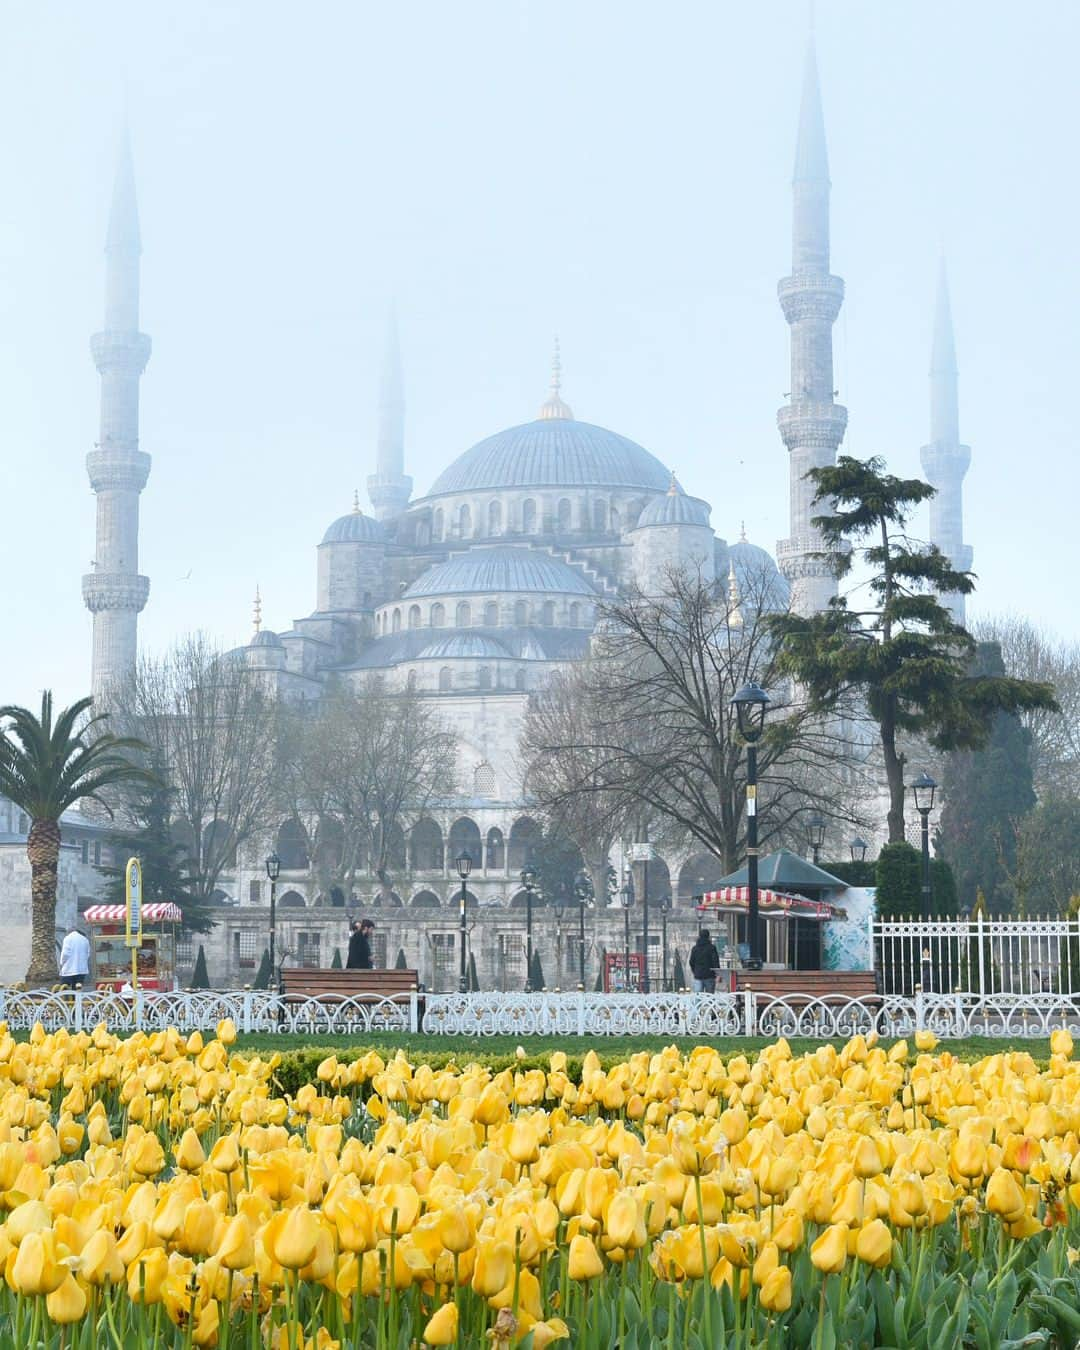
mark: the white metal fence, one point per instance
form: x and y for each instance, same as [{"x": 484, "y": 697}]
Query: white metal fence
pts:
[{"x": 977, "y": 956}]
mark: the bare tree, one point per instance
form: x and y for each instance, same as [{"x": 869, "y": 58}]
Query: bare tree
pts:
[
  {"x": 1033, "y": 653},
  {"x": 212, "y": 728},
  {"x": 661, "y": 735},
  {"x": 358, "y": 762}
]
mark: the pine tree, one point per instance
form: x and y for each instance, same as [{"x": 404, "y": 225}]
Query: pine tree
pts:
[
  {"x": 678, "y": 974},
  {"x": 200, "y": 979},
  {"x": 536, "y": 973},
  {"x": 401, "y": 963},
  {"x": 265, "y": 973},
  {"x": 899, "y": 882},
  {"x": 903, "y": 656},
  {"x": 335, "y": 964},
  {"x": 987, "y": 793},
  {"x": 472, "y": 980}
]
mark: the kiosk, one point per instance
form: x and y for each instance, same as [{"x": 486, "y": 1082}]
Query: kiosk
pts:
[{"x": 110, "y": 955}]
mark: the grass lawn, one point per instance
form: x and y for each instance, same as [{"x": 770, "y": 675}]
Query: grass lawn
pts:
[{"x": 608, "y": 1047}]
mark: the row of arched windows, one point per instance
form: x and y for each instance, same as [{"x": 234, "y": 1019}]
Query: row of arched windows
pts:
[
  {"x": 485, "y": 679},
  {"x": 596, "y": 516},
  {"x": 426, "y": 844},
  {"x": 486, "y": 614}
]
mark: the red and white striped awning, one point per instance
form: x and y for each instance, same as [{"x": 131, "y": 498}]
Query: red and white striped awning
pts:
[
  {"x": 735, "y": 899},
  {"x": 162, "y": 912}
]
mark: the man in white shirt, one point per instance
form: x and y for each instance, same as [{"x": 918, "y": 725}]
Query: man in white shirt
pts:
[{"x": 75, "y": 959}]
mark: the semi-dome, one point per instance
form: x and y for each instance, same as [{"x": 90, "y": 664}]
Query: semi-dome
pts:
[
  {"x": 355, "y": 528},
  {"x": 265, "y": 638},
  {"x": 674, "y": 508},
  {"x": 554, "y": 451},
  {"x": 499, "y": 569},
  {"x": 463, "y": 645}
]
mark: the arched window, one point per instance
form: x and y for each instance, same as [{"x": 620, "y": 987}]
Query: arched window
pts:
[
  {"x": 437, "y": 525},
  {"x": 410, "y": 681},
  {"x": 423, "y": 532},
  {"x": 575, "y": 614},
  {"x": 563, "y": 516},
  {"x": 393, "y": 856},
  {"x": 484, "y": 780},
  {"x": 414, "y": 616},
  {"x": 615, "y": 520},
  {"x": 425, "y": 900},
  {"x": 426, "y": 846},
  {"x": 495, "y": 518},
  {"x": 446, "y": 680},
  {"x": 465, "y": 838},
  {"x": 438, "y": 615},
  {"x": 698, "y": 874},
  {"x": 548, "y": 613},
  {"x": 519, "y": 680},
  {"x": 521, "y": 613},
  {"x": 291, "y": 846},
  {"x": 525, "y": 836},
  {"x": 599, "y": 516},
  {"x": 396, "y": 625},
  {"x": 496, "y": 849},
  {"x": 528, "y": 516},
  {"x": 292, "y": 900},
  {"x": 491, "y": 614},
  {"x": 464, "y": 520},
  {"x": 464, "y": 614},
  {"x": 485, "y": 677}
]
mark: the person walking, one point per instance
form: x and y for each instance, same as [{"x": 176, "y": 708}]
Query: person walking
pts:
[
  {"x": 359, "y": 957},
  {"x": 704, "y": 960},
  {"x": 75, "y": 959}
]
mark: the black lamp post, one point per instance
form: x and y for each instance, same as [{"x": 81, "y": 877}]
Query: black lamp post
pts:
[
  {"x": 626, "y": 895},
  {"x": 463, "y": 863},
  {"x": 750, "y": 704},
  {"x": 858, "y": 849},
  {"x": 528, "y": 880},
  {"x": 665, "y": 910},
  {"x": 583, "y": 889},
  {"x": 815, "y": 833},
  {"x": 923, "y": 790},
  {"x": 273, "y": 871}
]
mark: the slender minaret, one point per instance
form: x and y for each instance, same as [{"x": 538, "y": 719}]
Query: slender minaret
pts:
[
  {"x": 114, "y": 592},
  {"x": 945, "y": 460},
  {"x": 812, "y": 424},
  {"x": 389, "y": 487}
]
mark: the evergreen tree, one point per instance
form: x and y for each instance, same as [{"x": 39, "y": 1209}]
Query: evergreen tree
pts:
[
  {"x": 200, "y": 979},
  {"x": 861, "y": 874},
  {"x": 944, "y": 898},
  {"x": 678, "y": 974},
  {"x": 899, "y": 882},
  {"x": 472, "y": 980},
  {"x": 401, "y": 963},
  {"x": 335, "y": 964},
  {"x": 988, "y": 792},
  {"x": 598, "y": 987},
  {"x": 265, "y": 973},
  {"x": 903, "y": 657},
  {"x": 1047, "y": 873},
  {"x": 536, "y": 973}
]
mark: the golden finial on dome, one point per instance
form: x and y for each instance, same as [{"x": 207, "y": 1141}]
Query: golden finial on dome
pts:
[
  {"x": 734, "y": 617},
  {"x": 356, "y": 502},
  {"x": 258, "y": 608},
  {"x": 554, "y": 408},
  {"x": 673, "y": 486},
  {"x": 742, "y": 532}
]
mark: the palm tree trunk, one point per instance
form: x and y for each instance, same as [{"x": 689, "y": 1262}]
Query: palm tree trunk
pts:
[{"x": 43, "y": 851}]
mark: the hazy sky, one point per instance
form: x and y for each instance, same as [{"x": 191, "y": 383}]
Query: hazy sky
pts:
[{"x": 618, "y": 173}]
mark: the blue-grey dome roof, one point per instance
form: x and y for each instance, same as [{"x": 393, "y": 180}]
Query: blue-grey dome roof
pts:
[
  {"x": 499, "y": 569},
  {"x": 355, "y": 528},
  {"x": 265, "y": 638},
  {"x": 674, "y": 508},
  {"x": 462, "y": 644},
  {"x": 553, "y": 452}
]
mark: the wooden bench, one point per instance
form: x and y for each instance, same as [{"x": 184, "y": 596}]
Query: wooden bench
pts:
[
  {"x": 798, "y": 986},
  {"x": 334, "y": 986}
]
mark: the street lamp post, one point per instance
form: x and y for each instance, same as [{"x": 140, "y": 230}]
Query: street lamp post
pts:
[
  {"x": 627, "y": 897},
  {"x": 528, "y": 880},
  {"x": 923, "y": 790},
  {"x": 750, "y": 704},
  {"x": 858, "y": 847},
  {"x": 815, "y": 832},
  {"x": 273, "y": 871},
  {"x": 665, "y": 910},
  {"x": 583, "y": 891},
  {"x": 463, "y": 862}
]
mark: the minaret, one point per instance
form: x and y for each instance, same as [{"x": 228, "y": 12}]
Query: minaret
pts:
[
  {"x": 389, "y": 487},
  {"x": 114, "y": 592},
  {"x": 811, "y": 424},
  {"x": 553, "y": 408},
  {"x": 945, "y": 460}
]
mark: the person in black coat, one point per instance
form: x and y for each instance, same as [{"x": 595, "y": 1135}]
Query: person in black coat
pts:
[
  {"x": 359, "y": 957},
  {"x": 704, "y": 959}
]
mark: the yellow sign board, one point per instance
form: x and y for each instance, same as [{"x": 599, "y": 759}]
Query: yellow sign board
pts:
[{"x": 133, "y": 906}]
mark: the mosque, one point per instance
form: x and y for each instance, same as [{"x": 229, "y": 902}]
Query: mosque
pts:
[{"x": 475, "y": 592}]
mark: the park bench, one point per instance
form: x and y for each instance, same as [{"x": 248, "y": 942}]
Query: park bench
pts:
[
  {"x": 798, "y": 987},
  {"x": 367, "y": 986}
]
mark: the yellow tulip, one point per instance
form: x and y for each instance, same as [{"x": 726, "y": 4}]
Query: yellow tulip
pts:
[
  {"x": 926, "y": 1042},
  {"x": 1061, "y": 1042},
  {"x": 867, "y": 1160},
  {"x": 67, "y": 1303},
  {"x": 36, "y": 1268},
  {"x": 775, "y": 1294},
  {"x": 236, "y": 1250},
  {"x": 225, "y": 1155},
  {"x": 189, "y": 1152},
  {"x": 874, "y": 1243},
  {"x": 789, "y": 1233},
  {"x": 624, "y": 1221},
  {"x": 442, "y": 1327},
  {"x": 829, "y": 1253},
  {"x": 968, "y": 1156},
  {"x": 295, "y": 1239},
  {"x": 100, "y": 1263},
  {"x": 149, "y": 1157},
  {"x": 583, "y": 1261},
  {"x": 456, "y": 1229},
  {"x": 134, "y": 1241},
  {"x": 355, "y": 1223},
  {"x": 1004, "y": 1196},
  {"x": 30, "y": 1217},
  {"x": 494, "y": 1264},
  {"x": 546, "y": 1333},
  {"x": 197, "y": 1229},
  {"x": 226, "y": 1031}
]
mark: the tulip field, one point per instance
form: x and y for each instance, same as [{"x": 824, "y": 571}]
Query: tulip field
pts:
[{"x": 166, "y": 1190}]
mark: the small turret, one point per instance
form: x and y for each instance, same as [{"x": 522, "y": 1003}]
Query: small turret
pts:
[{"x": 351, "y": 558}]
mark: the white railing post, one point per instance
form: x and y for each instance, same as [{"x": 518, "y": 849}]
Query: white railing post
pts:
[
  {"x": 982, "y": 957},
  {"x": 138, "y": 1009},
  {"x": 246, "y": 1014},
  {"x": 958, "y": 1015},
  {"x": 920, "y": 1009},
  {"x": 78, "y": 1010},
  {"x": 749, "y": 1013},
  {"x": 581, "y": 1012},
  {"x": 414, "y": 1011}
]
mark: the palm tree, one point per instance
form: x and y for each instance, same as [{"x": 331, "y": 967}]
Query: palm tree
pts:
[{"x": 45, "y": 768}]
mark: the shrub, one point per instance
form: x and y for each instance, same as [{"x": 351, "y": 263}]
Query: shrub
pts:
[{"x": 199, "y": 978}]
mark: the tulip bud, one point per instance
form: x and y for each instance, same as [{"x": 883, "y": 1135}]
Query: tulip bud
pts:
[
  {"x": 583, "y": 1262},
  {"x": 226, "y": 1031},
  {"x": 829, "y": 1252},
  {"x": 624, "y": 1221},
  {"x": 494, "y": 1265},
  {"x": 36, "y": 1269},
  {"x": 442, "y": 1327},
  {"x": 100, "y": 1263},
  {"x": 775, "y": 1295},
  {"x": 1061, "y": 1042},
  {"x": 867, "y": 1161},
  {"x": 456, "y": 1229},
  {"x": 1004, "y": 1196},
  {"x": 189, "y": 1152},
  {"x": 873, "y": 1244},
  {"x": 66, "y": 1304},
  {"x": 295, "y": 1239},
  {"x": 225, "y": 1155}
]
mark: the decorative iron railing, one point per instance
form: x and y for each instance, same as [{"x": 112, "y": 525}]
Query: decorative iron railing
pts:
[{"x": 977, "y": 956}]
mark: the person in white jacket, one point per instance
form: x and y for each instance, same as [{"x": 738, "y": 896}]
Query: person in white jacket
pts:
[{"x": 75, "y": 959}]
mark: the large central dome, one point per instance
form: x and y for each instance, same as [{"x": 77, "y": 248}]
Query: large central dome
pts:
[{"x": 553, "y": 452}]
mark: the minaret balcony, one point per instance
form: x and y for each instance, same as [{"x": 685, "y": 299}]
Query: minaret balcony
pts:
[
  {"x": 114, "y": 590},
  {"x": 811, "y": 295},
  {"x": 944, "y": 460},
  {"x": 806, "y": 425},
  {"x": 120, "y": 352},
  {"x": 117, "y": 468}
]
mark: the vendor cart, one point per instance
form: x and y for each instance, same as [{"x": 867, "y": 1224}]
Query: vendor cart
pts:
[{"x": 110, "y": 956}]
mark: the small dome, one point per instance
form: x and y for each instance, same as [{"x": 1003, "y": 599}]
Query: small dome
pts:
[
  {"x": 500, "y": 569},
  {"x": 355, "y": 528},
  {"x": 265, "y": 638},
  {"x": 462, "y": 645},
  {"x": 674, "y": 508}
]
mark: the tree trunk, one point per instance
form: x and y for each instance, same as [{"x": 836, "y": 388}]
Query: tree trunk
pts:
[
  {"x": 43, "y": 851},
  {"x": 894, "y": 776}
]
